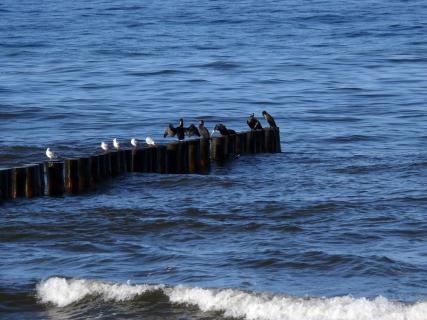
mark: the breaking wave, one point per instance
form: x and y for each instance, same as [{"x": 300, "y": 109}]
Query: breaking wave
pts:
[{"x": 234, "y": 303}]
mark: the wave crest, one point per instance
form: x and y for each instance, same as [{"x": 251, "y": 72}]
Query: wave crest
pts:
[{"x": 236, "y": 303}]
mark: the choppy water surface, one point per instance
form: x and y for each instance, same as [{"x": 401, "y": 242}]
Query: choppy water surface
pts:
[{"x": 332, "y": 228}]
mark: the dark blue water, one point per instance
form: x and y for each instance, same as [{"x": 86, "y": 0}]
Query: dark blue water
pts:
[{"x": 335, "y": 227}]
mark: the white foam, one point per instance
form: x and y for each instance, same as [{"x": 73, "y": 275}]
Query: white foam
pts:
[{"x": 238, "y": 304}]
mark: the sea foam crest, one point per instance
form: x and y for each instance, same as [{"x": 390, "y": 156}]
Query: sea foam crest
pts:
[{"x": 236, "y": 303}]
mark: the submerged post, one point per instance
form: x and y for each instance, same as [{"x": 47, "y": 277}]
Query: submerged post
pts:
[{"x": 55, "y": 178}]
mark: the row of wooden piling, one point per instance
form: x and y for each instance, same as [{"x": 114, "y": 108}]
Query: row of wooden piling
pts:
[{"x": 78, "y": 175}]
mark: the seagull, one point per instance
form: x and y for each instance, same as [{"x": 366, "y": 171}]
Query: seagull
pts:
[
  {"x": 116, "y": 144},
  {"x": 269, "y": 119},
  {"x": 134, "y": 142},
  {"x": 50, "y": 154},
  {"x": 253, "y": 122},
  {"x": 150, "y": 141},
  {"x": 223, "y": 130},
  {"x": 202, "y": 130},
  {"x": 104, "y": 146}
]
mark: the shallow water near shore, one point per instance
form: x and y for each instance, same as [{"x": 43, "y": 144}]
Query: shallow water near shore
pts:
[{"x": 334, "y": 227}]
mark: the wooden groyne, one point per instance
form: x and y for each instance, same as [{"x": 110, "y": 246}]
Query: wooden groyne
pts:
[{"x": 79, "y": 175}]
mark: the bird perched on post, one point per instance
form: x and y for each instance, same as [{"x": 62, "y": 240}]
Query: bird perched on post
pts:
[
  {"x": 50, "y": 154},
  {"x": 179, "y": 131},
  {"x": 269, "y": 119},
  {"x": 134, "y": 142},
  {"x": 150, "y": 141},
  {"x": 116, "y": 144},
  {"x": 253, "y": 122},
  {"x": 203, "y": 131},
  {"x": 104, "y": 146},
  {"x": 192, "y": 131},
  {"x": 223, "y": 130}
]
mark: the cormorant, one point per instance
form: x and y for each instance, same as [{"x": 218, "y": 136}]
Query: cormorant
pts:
[
  {"x": 223, "y": 130},
  {"x": 203, "y": 131},
  {"x": 253, "y": 122},
  {"x": 269, "y": 119},
  {"x": 192, "y": 131}
]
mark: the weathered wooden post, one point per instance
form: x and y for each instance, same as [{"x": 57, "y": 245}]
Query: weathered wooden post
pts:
[
  {"x": 162, "y": 159},
  {"x": 250, "y": 141},
  {"x": 240, "y": 142},
  {"x": 103, "y": 166},
  {"x": 151, "y": 159},
  {"x": 115, "y": 163},
  {"x": 5, "y": 184},
  {"x": 259, "y": 141},
  {"x": 139, "y": 159},
  {"x": 42, "y": 179},
  {"x": 270, "y": 140},
  {"x": 55, "y": 178},
  {"x": 128, "y": 156},
  {"x": 95, "y": 169},
  {"x": 122, "y": 161},
  {"x": 218, "y": 148},
  {"x": 194, "y": 156},
  {"x": 72, "y": 176},
  {"x": 33, "y": 183},
  {"x": 231, "y": 150},
  {"x": 172, "y": 157},
  {"x": 182, "y": 157},
  {"x": 205, "y": 156},
  {"x": 85, "y": 174},
  {"x": 19, "y": 179},
  {"x": 277, "y": 134}
]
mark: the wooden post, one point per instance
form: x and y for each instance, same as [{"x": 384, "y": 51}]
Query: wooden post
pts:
[
  {"x": 172, "y": 154},
  {"x": 240, "y": 142},
  {"x": 55, "y": 178},
  {"x": 162, "y": 159},
  {"x": 128, "y": 157},
  {"x": 122, "y": 161},
  {"x": 42, "y": 179},
  {"x": 139, "y": 160},
  {"x": 182, "y": 157},
  {"x": 72, "y": 176},
  {"x": 205, "y": 156},
  {"x": 85, "y": 174},
  {"x": 218, "y": 147},
  {"x": 194, "y": 156},
  {"x": 103, "y": 166},
  {"x": 5, "y": 184},
  {"x": 19, "y": 179},
  {"x": 151, "y": 159},
  {"x": 270, "y": 140},
  {"x": 115, "y": 163},
  {"x": 231, "y": 145},
  {"x": 259, "y": 141},
  {"x": 95, "y": 169},
  {"x": 250, "y": 141},
  {"x": 278, "y": 146},
  {"x": 33, "y": 183}
]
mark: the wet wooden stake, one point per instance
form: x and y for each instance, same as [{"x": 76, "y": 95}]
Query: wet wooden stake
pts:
[
  {"x": 240, "y": 142},
  {"x": 172, "y": 153},
  {"x": 269, "y": 140},
  {"x": 152, "y": 159},
  {"x": 139, "y": 159},
  {"x": 182, "y": 157},
  {"x": 19, "y": 178},
  {"x": 128, "y": 157},
  {"x": 72, "y": 176},
  {"x": 103, "y": 164},
  {"x": 250, "y": 141},
  {"x": 162, "y": 159},
  {"x": 194, "y": 156},
  {"x": 42, "y": 179},
  {"x": 231, "y": 145},
  {"x": 278, "y": 146},
  {"x": 205, "y": 155},
  {"x": 32, "y": 184},
  {"x": 122, "y": 161},
  {"x": 260, "y": 141},
  {"x": 95, "y": 169},
  {"x": 55, "y": 178},
  {"x": 115, "y": 163},
  {"x": 85, "y": 174},
  {"x": 218, "y": 148},
  {"x": 5, "y": 184}
]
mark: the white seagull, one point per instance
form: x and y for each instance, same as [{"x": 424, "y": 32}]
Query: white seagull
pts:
[
  {"x": 134, "y": 142},
  {"x": 116, "y": 144},
  {"x": 150, "y": 141},
  {"x": 104, "y": 146},
  {"x": 50, "y": 154}
]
